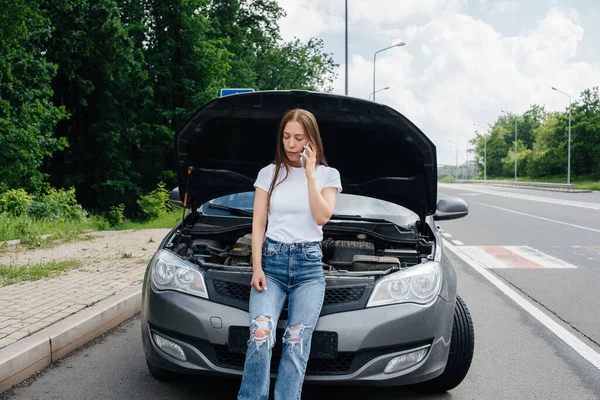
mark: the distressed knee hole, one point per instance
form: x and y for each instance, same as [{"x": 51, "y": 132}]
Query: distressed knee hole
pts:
[
  {"x": 293, "y": 334},
  {"x": 260, "y": 335},
  {"x": 262, "y": 331}
]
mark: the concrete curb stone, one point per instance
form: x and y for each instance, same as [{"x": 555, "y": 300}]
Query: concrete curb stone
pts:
[{"x": 25, "y": 357}]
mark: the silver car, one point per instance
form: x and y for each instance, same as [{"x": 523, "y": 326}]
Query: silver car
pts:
[{"x": 391, "y": 314}]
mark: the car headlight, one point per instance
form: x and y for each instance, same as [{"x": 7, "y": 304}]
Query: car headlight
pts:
[
  {"x": 419, "y": 284},
  {"x": 169, "y": 272}
]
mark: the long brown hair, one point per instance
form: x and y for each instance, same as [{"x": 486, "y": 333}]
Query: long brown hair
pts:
[{"x": 311, "y": 129}]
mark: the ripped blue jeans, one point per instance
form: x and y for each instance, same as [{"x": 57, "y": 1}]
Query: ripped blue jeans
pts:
[{"x": 294, "y": 270}]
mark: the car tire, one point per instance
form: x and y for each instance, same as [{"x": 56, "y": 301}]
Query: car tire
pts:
[
  {"x": 462, "y": 345},
  {"x": 159, "y": 373}
]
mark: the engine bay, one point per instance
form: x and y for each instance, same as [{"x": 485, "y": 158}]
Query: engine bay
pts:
[{"x": 356, "y": 254}]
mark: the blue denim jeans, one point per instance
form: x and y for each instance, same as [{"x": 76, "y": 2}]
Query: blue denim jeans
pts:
[{"x": 294, "y": 270}]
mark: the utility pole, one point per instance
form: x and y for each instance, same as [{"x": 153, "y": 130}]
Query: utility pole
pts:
[
  {"x": 346, "y": 47},
  {"x": 516, "y": 153},
  {"x": 569, "y": 151}
]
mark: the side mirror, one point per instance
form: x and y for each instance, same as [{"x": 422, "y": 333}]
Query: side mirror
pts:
[
  {"x": 175, "y": 199},
  {"x": 450, "y": 208}
]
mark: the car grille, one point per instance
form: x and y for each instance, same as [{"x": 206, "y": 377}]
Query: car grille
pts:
[
  {"x": 343, "y": 294},
  {"x": 336, "y": 366},
  {"x": 335, "y": 295},
  {"x": 232, "y": 289}
]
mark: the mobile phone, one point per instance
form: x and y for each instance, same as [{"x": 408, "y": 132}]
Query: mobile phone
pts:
[{"x": 302, "y": 161}]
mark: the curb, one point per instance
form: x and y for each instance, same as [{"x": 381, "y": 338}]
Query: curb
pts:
[{"x": 24, "y": 358}]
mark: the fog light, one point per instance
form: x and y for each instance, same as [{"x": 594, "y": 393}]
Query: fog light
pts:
[
  {"x": 405, "y": 361},
  {"x": 169, "y": 347}
]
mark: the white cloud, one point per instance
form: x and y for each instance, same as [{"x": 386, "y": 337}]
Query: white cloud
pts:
[
  {"x": 455, "y": 69},
  {"x": 308, "y": 18},
  {"x": 506, "y": 7}
]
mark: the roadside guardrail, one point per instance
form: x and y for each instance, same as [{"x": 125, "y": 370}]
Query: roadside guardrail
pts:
[{"x": 545, "y": 185}]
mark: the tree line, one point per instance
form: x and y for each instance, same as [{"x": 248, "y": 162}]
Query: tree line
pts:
[
  {"x": 92, "y": 91},
  {"x": 542, "y": 141}
]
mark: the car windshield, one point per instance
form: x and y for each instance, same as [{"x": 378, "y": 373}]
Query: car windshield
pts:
[{"x": 241, "y": 204}]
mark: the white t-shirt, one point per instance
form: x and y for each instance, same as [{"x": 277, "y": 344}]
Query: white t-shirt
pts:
[{"x": 290, "y": 219}]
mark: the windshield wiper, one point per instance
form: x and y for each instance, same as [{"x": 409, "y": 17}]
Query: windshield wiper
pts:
[
  {"x": 351, "y": 217},
  {"x": 232, "y": 210}
]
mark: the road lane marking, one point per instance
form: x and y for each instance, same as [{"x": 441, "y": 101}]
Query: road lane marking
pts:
[
  {"x": 458, "y": 242},
  {"x": 571, "y": 340},
  {"x": 520, "y": 196},
  {"x": 503, "y": 257},
  {"x": 446, "y": 234},
  {"x": 542, "y": 218}
]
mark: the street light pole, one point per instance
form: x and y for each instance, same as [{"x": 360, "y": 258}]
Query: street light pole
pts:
[
  {"x": 516, "y": 151},
  {"x": 515, "y": 144},
  {"x": 373, "y": 93},
  {"x": 346, "y": 47},
  {"x": 569, "y": 151},
  {"x": 484, "y": 152},
  {"x": 375, "y": 60}
]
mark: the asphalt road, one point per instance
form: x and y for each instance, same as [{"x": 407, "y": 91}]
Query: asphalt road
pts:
[
  {"x": 516, "y": 356},
  {"x": 564, "y": 226}
]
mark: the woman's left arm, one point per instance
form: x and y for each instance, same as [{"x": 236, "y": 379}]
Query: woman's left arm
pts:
[{"x": 321, "y": 204}]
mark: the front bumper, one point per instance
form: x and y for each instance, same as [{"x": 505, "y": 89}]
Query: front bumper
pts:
[{"x": 367, "y": 339}]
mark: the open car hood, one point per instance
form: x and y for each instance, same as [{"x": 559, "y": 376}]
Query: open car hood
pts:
[{"x": 378, "y": 152}]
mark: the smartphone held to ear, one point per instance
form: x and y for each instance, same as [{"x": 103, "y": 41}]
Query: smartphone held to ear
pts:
[{"x": 302, "y": 161}]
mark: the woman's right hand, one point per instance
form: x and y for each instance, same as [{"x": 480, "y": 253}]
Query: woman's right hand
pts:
[{"x": 259, "y": 282}]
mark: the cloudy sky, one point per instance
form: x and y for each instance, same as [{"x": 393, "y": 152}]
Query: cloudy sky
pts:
[{"x": 464, "y": 60}]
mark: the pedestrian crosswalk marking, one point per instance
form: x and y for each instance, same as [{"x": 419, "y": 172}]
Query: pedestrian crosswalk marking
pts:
[{"x": 516, "y": 257}]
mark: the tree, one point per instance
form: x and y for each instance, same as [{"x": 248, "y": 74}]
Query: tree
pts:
[
  {"x": 585, "y": 135},
  {"x": 295, "y": 65},
  {"x": 115, "y": 79},
  {"x": 262, "y": 60},
  {"x": 526, "y": 125},
  {"x": 27, "y": 115},
  {"x": 549, "y": 155},
  {"x": 497, "y": 148},
  {"x": 102, "y": 82},
  {"x": 508, "y": 162}
]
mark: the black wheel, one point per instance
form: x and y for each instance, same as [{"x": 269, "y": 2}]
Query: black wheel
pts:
[
  {"x": 161, "y": 374},
  {"x": 462, "y": 345}
]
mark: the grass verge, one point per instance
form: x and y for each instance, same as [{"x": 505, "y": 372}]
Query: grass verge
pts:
[
  {"x": 166, "y": 221},
  {"x": 30, "y": 231},
  {"x": 581, "y": 183},
  {"x": 10, "y": 274}
]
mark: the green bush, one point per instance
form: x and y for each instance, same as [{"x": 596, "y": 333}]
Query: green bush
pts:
[
  {"x": 57, "y": 205},
  {"x": 116, "y": 215},
  {"x": 447, "y": 179},
  {"x": 15, "y": 202},
  {"x": 155, "y": 204}
]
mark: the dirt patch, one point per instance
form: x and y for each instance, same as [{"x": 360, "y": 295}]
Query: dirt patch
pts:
[{"x": 97, "y": 246}]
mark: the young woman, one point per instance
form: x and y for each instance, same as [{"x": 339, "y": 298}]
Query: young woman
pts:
[{"x": 287, "y": 262}]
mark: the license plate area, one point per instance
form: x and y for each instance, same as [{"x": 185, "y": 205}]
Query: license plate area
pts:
[{"x": 323, "y": 346}]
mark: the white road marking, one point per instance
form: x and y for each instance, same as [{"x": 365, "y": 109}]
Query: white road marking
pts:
[
  {"x": 487, "y": 260},
  {"x": 571, "y": 340},
  {"x": 513, "y": 195},
  {"x": 542, "y": 218},
  {"x": 545, "y": 260},
  {"x": 458, "y": 242},
  {"x": 446, "y": 234},
  {"x": 503, "y": 257}
]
